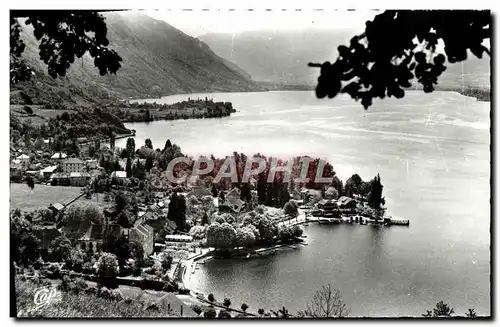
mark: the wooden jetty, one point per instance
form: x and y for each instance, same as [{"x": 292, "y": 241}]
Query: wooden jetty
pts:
[{"x": 402, "y": 222}]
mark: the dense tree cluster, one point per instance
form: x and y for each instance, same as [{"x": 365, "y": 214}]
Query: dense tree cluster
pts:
[
  {"x": 371, "y": 190},
  {"x": 107, "y": 270},
  {"x": 25, "y": 247},
  {"x": 177, "y": 210}
]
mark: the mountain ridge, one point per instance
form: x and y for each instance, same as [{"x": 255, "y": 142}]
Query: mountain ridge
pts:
[
  {"x": 157, "y": 59},
  {"x": 284, "y": 56}
]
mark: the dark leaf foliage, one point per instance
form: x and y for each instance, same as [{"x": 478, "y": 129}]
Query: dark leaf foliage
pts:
[
  {"x": 384, "y": 59},
  {"x": 63, "y": 35}
]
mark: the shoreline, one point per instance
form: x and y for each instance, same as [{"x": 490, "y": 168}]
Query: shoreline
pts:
[
  {"x": 189, "y": 269},
  {"x": 166, "y": 118},
  {"x": 136, "y": 101},
  {"x": 189, "y": 266}
]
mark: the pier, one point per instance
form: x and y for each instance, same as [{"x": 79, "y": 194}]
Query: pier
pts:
[
  {"x": 402, "y": 222},
  {"x": 303, "y": 219}
]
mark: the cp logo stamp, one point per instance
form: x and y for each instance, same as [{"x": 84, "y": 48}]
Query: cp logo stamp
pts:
[{"x": 45, "y": 296}]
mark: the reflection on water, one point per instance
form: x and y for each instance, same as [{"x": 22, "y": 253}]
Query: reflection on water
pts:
[{"x": 432, "y": 153}]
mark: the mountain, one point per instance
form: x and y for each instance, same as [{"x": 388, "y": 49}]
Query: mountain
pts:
[
  {"x": 281, "y": 56},
  {"x": 278, "y": 56},
  {"x": 154, "y": 54}
]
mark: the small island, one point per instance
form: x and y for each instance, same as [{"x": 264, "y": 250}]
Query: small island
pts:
[{"x": 192, "y": 108}]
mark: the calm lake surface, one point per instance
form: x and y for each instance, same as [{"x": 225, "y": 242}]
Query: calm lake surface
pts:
[{"x": 433, "y": 155}]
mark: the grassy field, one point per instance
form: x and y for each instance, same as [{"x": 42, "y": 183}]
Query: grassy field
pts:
[
  {"x": 24, "y": 198},
  {"x": 97, "y": 200},
  {"x": 81, "y": 305},
  {"x": 39, "y": 116}
]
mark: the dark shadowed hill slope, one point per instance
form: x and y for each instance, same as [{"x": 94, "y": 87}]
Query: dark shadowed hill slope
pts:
[{"x": 155, "y": 56}]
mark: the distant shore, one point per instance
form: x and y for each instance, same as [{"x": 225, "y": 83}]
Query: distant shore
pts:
[{"x": 480, "y": 94}]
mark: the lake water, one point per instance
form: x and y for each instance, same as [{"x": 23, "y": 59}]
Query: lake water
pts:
[{"x": 433, "y": 155}]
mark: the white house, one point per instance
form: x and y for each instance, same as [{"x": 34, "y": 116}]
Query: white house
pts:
[
  {"x": 48, "y": 171},
  {"x": 73, "y": 165},
  {"x": 119, "y": 174}
]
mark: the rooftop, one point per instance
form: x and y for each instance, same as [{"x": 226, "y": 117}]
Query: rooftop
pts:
[
  {"x": 183, "y": 238},
  {"x": 57, "y": 206},
  {"x": 345, "y": 199},
  {"x": 77, "y": 174},
  {"x": 73, "y": 161},
  {"x": 59, "y": 155},
  {"x": 49, "y": 169}
]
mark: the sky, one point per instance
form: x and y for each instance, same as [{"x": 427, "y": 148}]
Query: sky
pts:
[{"x": 199, "y": 22}]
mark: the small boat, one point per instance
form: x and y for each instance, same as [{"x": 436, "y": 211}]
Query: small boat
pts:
[{"x": 248, "y": 256}]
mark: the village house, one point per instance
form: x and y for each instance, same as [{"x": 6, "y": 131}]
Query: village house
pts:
[
  {"x": 24, "y": 160},
  {"x": 328, "y": 208},
  {"x": 232, "y": 202},
  {"x": 60, "y": 179},
  {"x": 48, "y": 171},
  {"x": 73, "y": 165},
  {"x": 327, "y": 205},
  {"x": 79, "y": 179},
  {"x": 170, "y": 226},
  {"x": 119, "y": 174},
  {"x": 345, "y": 202},
  {"x": 95, "y": 234},
  {"x": 178, "y": 240},
  {"x": 157, "y": 220},
  {"x": 15, "y": 165},
  {"x": 154, "y": 208},
  {"x": 56, "y": 207},
  {"x": 144, "y": 234},
  {"x": 122, "y": 163}
]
